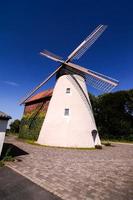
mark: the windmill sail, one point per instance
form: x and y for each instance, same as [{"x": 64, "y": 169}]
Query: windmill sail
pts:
[
  {"x": 52, "y": 56},
  {"x": 87, "y": 43},
  {"x": 97, "y": 80},
  {"x": 40, "y": 85},
  {"x": 56, "y": 131}
]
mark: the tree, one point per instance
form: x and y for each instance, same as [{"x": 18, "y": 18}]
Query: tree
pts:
[
  {"x": 14, "y": 126},
  {"x": 114, "y": 114}
]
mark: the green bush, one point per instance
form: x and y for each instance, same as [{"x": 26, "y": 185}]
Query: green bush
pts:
[
  {"x": 98, "y": 146},
  {"x": 30, "y": 125}
]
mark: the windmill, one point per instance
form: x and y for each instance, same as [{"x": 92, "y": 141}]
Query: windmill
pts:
[{"x": 69, "y": 120}]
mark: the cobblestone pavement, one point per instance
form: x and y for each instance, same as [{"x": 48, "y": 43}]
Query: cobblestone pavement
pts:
[{"x": 105, "y": 174}]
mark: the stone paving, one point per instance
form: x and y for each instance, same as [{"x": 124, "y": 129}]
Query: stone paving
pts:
[{"x": 73, "y": 174}]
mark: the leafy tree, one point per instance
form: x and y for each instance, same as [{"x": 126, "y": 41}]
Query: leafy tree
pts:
[
  {"x": 14, "y": 126},
  {"x": 114, "y": 114}
]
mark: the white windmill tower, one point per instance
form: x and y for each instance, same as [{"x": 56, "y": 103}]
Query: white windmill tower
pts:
[{"x": 69, "y": 121}]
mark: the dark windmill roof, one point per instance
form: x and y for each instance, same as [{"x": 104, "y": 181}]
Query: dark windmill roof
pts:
[{"x": 4, "y": 115}]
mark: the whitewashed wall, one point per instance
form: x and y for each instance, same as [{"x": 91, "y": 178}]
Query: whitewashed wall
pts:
[
  {"x": 3, "y": 126},
  {"x": 73, "y": 130}
]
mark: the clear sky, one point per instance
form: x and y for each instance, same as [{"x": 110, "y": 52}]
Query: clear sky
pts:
[{"x": 28, "y": 26}]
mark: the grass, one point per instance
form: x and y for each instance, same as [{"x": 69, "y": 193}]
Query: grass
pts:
[
  {"x": 106, "y": 143},
  {"x": 123, "y": 141},
  {"x": 74, "y": 148},
  {"x": 7, "y": 158},
  {"x": 78, "y": 148},
  {"x": 2, "y": 163},
  {"x": 12, "y": 134},
  {"x": 33, "y": 142},
  {"x": 117, "y": 140}
]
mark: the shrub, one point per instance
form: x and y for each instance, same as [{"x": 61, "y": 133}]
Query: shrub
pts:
[
  {"x": 98, "y": 146},
  {"x": 30, "y": 125}
]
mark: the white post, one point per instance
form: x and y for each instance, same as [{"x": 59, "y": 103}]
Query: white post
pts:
[{"x": 3, "y": 126}]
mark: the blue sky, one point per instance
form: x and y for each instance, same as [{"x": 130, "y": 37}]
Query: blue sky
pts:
[{"x": 28, "y": 26}]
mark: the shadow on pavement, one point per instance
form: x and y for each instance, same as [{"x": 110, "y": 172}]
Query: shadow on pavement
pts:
[{"x": 12, "y": 150}]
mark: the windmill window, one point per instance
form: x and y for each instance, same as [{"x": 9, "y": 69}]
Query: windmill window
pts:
[
  {"x": 68, "y": 90},
  {"x": 66, "y": 112}
]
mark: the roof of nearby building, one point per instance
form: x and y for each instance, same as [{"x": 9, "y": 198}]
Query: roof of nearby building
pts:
[
  {"x": 41, "y": 95},
  {"x": 4, "y": 115}
]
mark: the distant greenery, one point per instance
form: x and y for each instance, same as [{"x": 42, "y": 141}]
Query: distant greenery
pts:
[
  {"x": 114, "y": 115},
  {"x": 30, "y": 125},
  {"x": 14, "y": 126}
]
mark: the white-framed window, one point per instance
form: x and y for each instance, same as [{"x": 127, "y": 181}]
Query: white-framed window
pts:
[
  {"x": 68, "y": 90},
  {"x": 66, "y": 112}
]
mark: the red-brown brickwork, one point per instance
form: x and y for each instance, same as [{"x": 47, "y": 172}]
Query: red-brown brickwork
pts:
[{"x": 38, "y": 102}]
